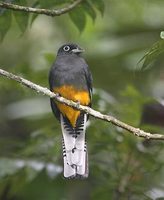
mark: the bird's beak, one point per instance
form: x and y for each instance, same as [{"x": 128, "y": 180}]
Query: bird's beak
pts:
[{"x": 77, "y": 50}]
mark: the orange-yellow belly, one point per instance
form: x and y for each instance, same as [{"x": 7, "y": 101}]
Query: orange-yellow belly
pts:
[{"x": 73, "y": 94}]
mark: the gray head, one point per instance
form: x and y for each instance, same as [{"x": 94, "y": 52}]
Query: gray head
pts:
[{"x": 67, "y": 49}]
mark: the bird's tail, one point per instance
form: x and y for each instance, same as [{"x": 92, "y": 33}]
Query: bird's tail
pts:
[{"x": 75, "y": 154}]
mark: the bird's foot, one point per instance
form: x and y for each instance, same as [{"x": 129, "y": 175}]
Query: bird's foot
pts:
[
  {"x": 78, "y": 104},
  {"x": 58, "y": 95}
]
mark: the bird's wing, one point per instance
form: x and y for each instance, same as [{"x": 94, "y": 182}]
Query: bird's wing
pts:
[
  {"x": 89, "y": 80},
  {"x": 52, "y": 102},
  {"x": 55, "y": 109}
]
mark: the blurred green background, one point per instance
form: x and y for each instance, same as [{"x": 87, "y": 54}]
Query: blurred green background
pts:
[{"x": 115, "y": 35}]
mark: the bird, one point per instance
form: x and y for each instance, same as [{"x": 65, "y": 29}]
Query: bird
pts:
[{"x": 71, "y": 78}]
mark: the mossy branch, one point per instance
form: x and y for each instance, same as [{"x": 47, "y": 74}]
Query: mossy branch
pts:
[
  {"x": 49, "y": 12},
  {"x": 45, "y": 91}
]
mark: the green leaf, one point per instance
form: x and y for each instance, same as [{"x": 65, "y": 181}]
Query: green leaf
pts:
[
  {"x": 88, "y": 7},
  {"x": 5, "y": 22},
  {"x": 21, "y": 17},
  {"x": 52, "y": 3},
  {"x": 33, "y": 15},
  {"x": 78, "y": 17},
  {"x": 99, "y": 4},
  {"x": 46, "y": 3},
  {"x": 156, "y": 50}
]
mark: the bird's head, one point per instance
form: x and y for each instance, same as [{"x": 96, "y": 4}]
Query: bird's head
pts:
[{"x": 70, "y": 49}]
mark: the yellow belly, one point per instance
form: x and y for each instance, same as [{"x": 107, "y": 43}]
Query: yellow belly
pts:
[{"x": 69, "y": 92}]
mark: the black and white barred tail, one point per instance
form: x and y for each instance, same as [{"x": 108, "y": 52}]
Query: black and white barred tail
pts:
[{"x": 75, "y": 154}]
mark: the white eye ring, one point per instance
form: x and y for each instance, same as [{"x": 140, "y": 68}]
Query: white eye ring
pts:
[{"x": 66, "y": 48}]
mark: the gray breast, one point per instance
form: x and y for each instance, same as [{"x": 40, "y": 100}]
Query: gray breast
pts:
[{"x": 69, "y": 70}]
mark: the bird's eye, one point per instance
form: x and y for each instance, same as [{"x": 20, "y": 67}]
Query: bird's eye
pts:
[{"x": 66, "y": 48}]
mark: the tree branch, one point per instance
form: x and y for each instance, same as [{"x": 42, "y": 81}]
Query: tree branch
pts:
[
  {"x": 49, "y": 12},
  {"x": 135, "y": 131}
]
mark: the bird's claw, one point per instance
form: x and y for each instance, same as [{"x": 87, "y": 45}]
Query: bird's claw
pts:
[
  {"x": 58, "y": 95},
  {"x": 78, "y": 104}
]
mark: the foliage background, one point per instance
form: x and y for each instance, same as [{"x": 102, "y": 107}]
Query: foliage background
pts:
[{"x": 116, "y": 35}]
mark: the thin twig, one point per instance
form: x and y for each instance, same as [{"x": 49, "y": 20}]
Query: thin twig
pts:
[
  {"x": 135, "y": 131},
  {"x": 49, "y": 12}
]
